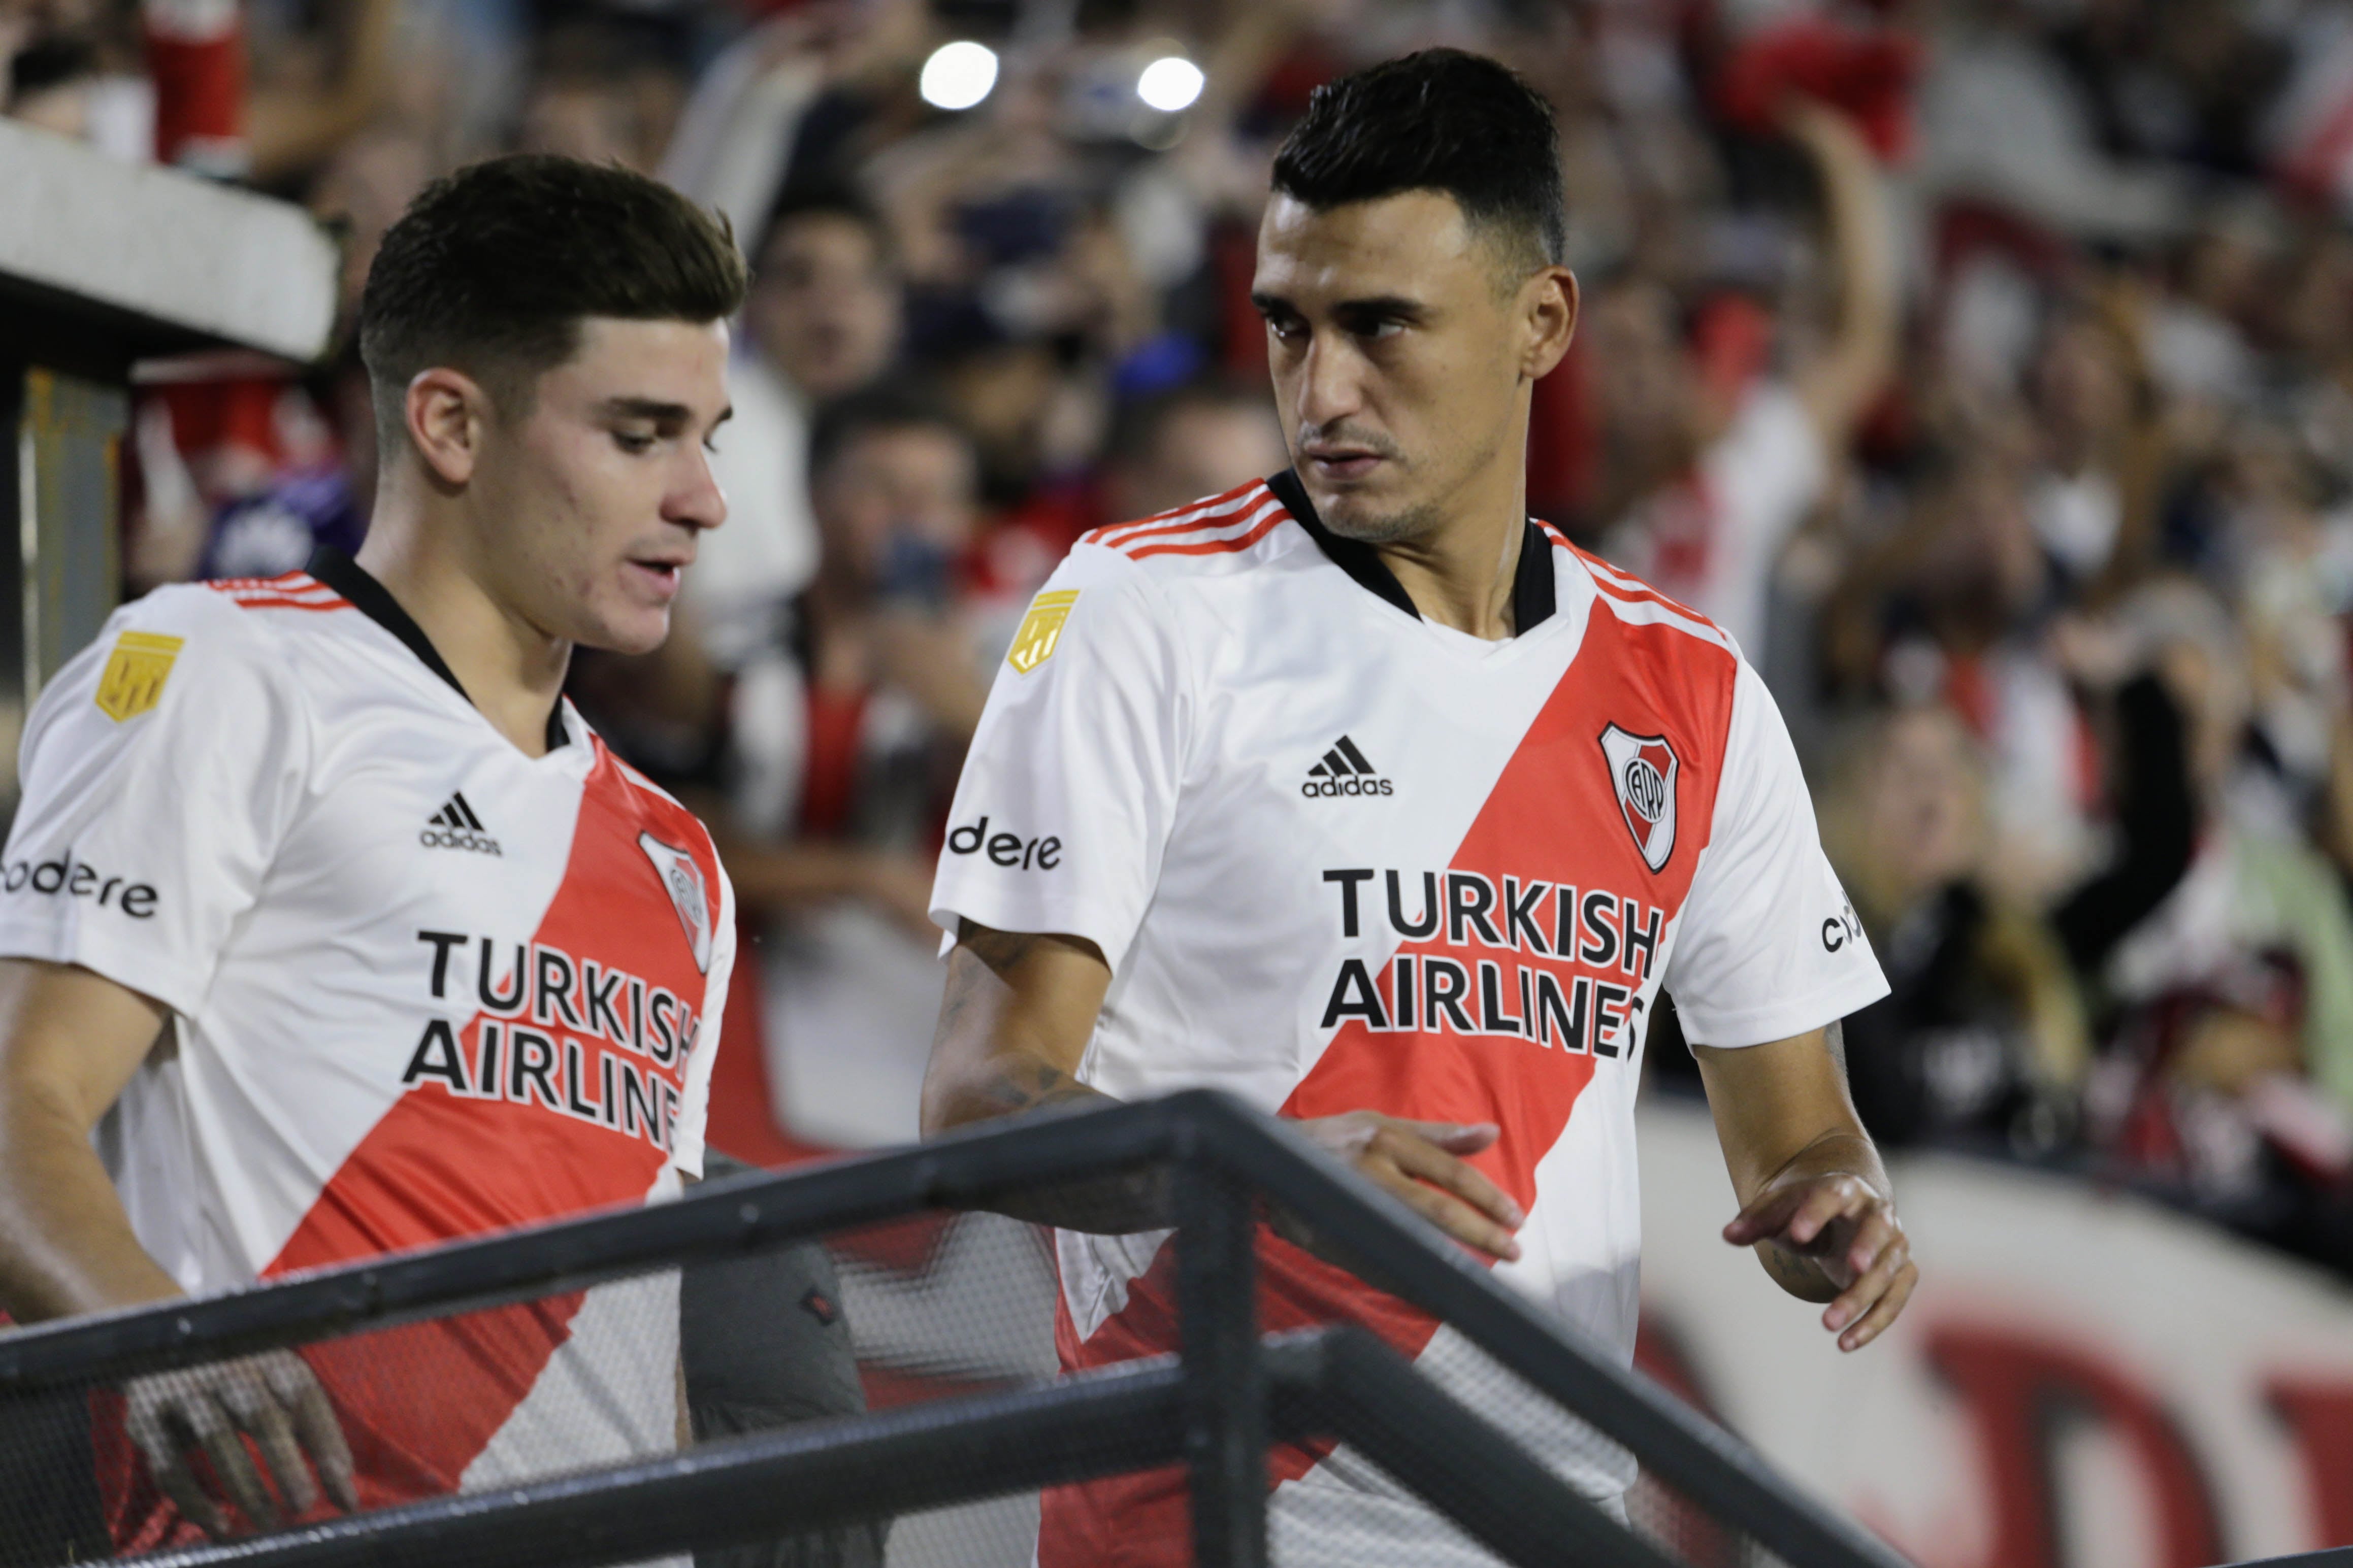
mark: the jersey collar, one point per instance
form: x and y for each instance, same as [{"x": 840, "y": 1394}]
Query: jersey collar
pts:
[
  {"x": 373, "y": 600},
  {"x": 1533, "y": 594}
]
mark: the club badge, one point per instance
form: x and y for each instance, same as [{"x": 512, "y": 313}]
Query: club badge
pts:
[
  {"x": 683, "y": 878},
  {"x": 1642, "y": 770}
]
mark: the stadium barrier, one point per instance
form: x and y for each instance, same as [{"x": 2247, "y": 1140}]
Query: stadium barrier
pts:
[{"x": 408, "y": 1331}]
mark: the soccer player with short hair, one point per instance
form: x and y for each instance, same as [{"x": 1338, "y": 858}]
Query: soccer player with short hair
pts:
[
  {"x": 331, "y": 919},
  {"x": 1364, "y": 796}
]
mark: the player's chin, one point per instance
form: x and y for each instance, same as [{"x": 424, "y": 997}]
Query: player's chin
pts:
[
  {"x": 629, "y": 628},
  {"x": 1368, "y": 518}
]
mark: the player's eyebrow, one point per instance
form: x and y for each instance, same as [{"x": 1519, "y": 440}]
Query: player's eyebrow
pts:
[
  {"x": 658, "y": 411},
  {"x": 1375, "y": 307},
  {"x": 1382, "y": 307},
  {"x": 652, "y": 408}
]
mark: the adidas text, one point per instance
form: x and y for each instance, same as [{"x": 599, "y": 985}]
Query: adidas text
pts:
[
  {"x": 1343, "y": 771},
  {"x": 1349, "y": 786},
  {"x": 455, "y": 826}
]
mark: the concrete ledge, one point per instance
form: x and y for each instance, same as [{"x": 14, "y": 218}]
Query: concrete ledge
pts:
[{"x": 151, "y": 261}]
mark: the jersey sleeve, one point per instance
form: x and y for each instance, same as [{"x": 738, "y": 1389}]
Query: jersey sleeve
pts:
[
  {"x": 160, "y": 771},
  {"x": 1767, "y": 946},
  {"x": 687, "y": 1132},
  {"x": 1070, "y": 784}
]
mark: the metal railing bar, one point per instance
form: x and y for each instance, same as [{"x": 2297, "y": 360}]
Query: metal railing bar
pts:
[
  {"x": 1396, "y": 1250},
  {"x": 1225, "y": 1374},
  {"x": 779, "y": 1482},
  {"x": 1338, "y": 1382},
  {"x": 972, "y": 1170},
  {"x": 722, "y": 1219},
  {"x": 1366, "y": 1393}
]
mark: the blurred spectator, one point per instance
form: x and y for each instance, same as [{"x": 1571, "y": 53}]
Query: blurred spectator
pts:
[
  {"x": 309, "y": 478},
  {"x": 599, "y": 94},
  {"x": 1983, "y": 1036},
  {"x": 845, "y": 740},
  {"x": 822, "y": 321},
  {"x": 2228, "y": 1066},
  {"x": 1199, "y": 438},
  {"x": 1710, "y": 469}
]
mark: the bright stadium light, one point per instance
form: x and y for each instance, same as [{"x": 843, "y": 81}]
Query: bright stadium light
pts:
[
  {"x": 1170, "y": 84},
  {"x": 958, "y": 75}
]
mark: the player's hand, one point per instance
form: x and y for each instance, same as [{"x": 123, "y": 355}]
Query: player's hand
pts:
[
  {"x": 272, "y": 1399},
  {"x": 1847, "y": 1231},
  {"x": 1420, "y": 1161}
]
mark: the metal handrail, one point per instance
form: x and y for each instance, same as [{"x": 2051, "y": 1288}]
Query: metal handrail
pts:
[
  {"x": 1338, "y": 1382},
  {"x": 1199, "y": 1130}
]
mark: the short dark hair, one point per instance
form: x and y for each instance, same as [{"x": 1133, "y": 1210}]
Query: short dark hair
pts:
[
  {"x": 884, "y": 407},
  {"x": 1437, "y": 121},
  {"x": 492, "y": 269}
]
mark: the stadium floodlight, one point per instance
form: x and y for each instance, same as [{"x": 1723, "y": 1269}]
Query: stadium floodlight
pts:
[
  {"x": 958, "y": 75},
  {"x": 1170, "y": 84}
]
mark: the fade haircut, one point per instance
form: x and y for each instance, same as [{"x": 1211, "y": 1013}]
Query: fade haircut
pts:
[
  {"x": 492, "y": 269},
  {"x": 1437, "y": 121}
]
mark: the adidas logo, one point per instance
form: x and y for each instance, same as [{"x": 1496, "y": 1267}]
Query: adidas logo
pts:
[
  {"x": 455, "y": 826},
  {"x": 1343, "y": 771}
]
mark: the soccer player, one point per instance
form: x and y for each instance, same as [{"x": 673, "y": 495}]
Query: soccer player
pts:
[
  {"x": 328, "y": 915},
  {"x": 1365, "y": 797}
]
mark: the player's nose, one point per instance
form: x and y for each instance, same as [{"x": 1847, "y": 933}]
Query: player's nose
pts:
[
  {"x": 695, "y": 498},
  {"x": 1330, "y": 381}
]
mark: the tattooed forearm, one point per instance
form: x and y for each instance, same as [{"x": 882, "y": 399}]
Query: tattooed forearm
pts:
[
  {"x": 1014, "y": 1026},
  {"x": 1031, "y": 1085}
]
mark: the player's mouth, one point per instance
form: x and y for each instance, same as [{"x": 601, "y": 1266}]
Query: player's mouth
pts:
[
  {"x": 1341, "y": 464},
  {"x": 661, "y": 575}
]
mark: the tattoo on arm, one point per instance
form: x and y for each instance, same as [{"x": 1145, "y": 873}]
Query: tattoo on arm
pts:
[
  {"x": 1014, "y": 1080},
  {"x": 1031, "y": 1085}
]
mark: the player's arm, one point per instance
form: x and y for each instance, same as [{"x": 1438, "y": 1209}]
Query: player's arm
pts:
[
  {"x": 1815, "y": 1201},
  {"x": 1019, "y": 1009},
  {"x": 1014, "y": 1027},
  {"x": 1015, "y": 1022},
  {"x": 69, "y": 1041}
]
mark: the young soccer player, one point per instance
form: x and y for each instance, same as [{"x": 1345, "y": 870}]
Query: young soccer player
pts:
[{"x": 328, "y": 915}]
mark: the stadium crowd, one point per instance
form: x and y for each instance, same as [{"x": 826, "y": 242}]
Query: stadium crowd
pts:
[{"x": 1985, "y": 366}]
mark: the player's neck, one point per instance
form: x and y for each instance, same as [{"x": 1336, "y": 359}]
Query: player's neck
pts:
[
  {"x": 1461, "y": 573},
  {"x": 512, "y": 671}
]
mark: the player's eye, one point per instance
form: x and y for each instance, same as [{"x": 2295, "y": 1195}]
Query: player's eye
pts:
[{"x": 635, "y": 443}]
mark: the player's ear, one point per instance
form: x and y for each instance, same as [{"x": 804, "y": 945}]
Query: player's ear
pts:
[
  {"x": 446, "y": 411},
  {"x": 1550, "y": 301}
]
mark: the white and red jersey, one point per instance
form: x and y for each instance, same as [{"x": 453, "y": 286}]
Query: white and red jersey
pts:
[
  {"x": 1341, "y": 858},
  {"x": 423, "y": 986}
]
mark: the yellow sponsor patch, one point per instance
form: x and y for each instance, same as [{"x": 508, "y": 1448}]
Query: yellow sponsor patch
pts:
[
  {"x": 135, "y": 673},
  {"x": 1041, "y": 629}
]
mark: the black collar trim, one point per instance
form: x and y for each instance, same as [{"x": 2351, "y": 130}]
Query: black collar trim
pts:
[
  {"x": 373, "y": 600},
  {"x": 1534, "y": 597}
]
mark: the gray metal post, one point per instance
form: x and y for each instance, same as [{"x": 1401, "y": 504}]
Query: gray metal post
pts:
[{"x": 1225, "y": 1399}]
